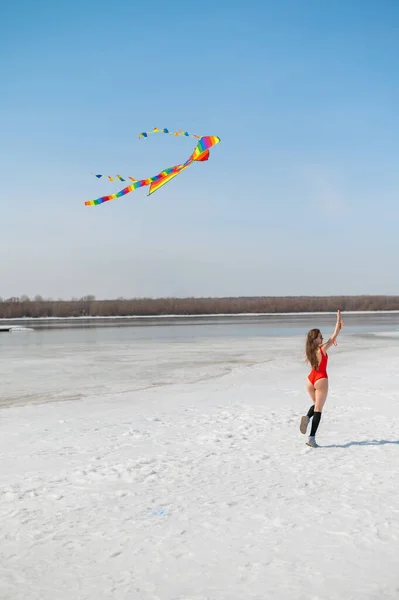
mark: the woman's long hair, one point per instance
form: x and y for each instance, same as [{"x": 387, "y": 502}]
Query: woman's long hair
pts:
[{"x": 311, "y": 348}]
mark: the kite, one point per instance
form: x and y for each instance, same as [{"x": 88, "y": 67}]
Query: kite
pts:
[{"x": 200, "y": 154}]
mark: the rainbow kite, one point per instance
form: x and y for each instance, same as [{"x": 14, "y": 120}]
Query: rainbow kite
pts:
[{"x": 201, "y": 153}]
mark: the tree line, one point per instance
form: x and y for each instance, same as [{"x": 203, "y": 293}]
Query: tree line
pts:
[{"x": 88, "y": 306}]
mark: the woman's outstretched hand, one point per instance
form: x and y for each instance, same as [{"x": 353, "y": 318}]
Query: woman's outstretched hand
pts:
[{"x": 340, "y": 322}]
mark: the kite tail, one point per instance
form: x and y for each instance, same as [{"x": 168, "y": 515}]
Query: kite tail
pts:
[{"x": 145, "y": 134}]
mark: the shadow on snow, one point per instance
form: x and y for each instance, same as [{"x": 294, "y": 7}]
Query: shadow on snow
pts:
[{"x": 365, "y": 443}]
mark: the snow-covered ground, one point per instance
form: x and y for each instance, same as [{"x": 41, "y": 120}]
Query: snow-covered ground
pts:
[{"x": 176, "y": 471}]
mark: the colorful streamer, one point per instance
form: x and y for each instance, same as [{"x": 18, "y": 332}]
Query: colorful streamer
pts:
[
  {"x": 175, "y": 133},
  {"x": 113, "y": 177},
  {"x": 200, "y": 154}
]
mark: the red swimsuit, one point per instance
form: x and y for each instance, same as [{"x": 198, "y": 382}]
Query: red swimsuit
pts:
[{"x": 321, "y": 372}]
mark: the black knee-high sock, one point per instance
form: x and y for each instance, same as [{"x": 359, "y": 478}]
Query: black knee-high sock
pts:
[
  {"x": 311, "y": 411},
  {"x": 315, "y": 423}
]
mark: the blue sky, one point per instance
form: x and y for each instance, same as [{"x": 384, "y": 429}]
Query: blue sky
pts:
[{"x": 299, "y": 198}]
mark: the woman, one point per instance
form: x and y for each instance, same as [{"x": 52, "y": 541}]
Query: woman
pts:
[{"x": 317, "y": 381}]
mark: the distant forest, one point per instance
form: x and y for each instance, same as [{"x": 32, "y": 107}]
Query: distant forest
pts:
[{"x": 88, "y": 306}]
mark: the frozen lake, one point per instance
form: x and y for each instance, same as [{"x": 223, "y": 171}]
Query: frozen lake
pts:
[
  {"x": 52, "y": 360},
  {"x": 169, "y": 328}
]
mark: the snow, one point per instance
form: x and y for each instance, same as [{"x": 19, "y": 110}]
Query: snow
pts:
[{"x": 176, "y": 471}]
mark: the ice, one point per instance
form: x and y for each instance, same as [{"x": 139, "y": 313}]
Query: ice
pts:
[{"x": 178, "y": 472}]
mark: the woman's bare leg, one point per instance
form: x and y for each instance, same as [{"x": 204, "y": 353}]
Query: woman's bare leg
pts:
[
  {"x": 311, "y": 391},
  {"x": 321, "y": 391}
]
